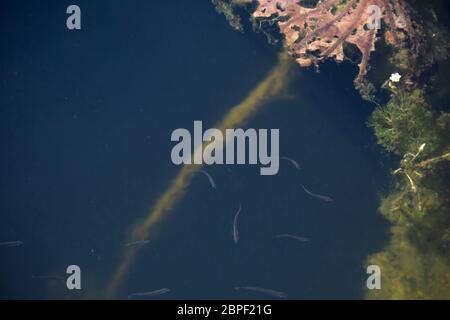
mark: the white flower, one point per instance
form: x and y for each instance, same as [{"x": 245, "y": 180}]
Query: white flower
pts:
[{"x": 395, "y": 77}]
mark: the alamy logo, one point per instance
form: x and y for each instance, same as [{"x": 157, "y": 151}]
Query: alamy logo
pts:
[
  {"x": 374, "y": 19},
  {"x": 374, "y": 279},
  {"x": 73, "y": 22},
  {"x": 73, "y": 282},
  {"x": 227, "y": 146}
]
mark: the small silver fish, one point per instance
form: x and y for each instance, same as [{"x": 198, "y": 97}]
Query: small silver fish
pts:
[
  {"x": 294, "y": 163},
  {"x": 136, "y": 243},
  {"x": 11, "y": 244},
  {"x": 291, "y": 236},
  {"x": 235, "y": 225},
  {"x": 211, "y": 180},
  {"x": 433, "y": 13},
  {"x": 317, "y": 196},
  {"x": 149, "y": 294},
  {"x": 269, "y": 292}
]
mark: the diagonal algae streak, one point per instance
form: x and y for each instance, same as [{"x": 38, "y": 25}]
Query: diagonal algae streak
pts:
[{"x": 275, "y": 82}]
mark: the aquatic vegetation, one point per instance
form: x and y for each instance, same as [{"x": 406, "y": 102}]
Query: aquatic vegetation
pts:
[
  {"x": 409, "y": 272},
  {"x": 407, "y": 122},
  {"x": 318, "y": 30},
  {"x": 416, "y": 263},
  {"x": 314, "y": 31},
  {"x": 227, "y": 9}
]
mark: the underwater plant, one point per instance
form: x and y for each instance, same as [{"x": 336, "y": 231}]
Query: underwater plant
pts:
[
  {"x": 317, "y": 32},
  {"x": 416, "y": 262},
  {"x": 314, "y": 31}
]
